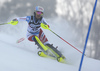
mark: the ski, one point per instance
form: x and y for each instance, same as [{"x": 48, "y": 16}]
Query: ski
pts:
[
  {"x": 49, "y": 51},
  {"x": 59, "y": 59},
  {"x": 42, "y": 54}
]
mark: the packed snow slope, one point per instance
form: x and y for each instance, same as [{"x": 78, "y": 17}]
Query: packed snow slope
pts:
[{"x": 23, "y": 56}]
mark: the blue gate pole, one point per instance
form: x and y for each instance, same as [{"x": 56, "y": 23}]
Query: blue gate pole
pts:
[{"x": 87, "y": 36}]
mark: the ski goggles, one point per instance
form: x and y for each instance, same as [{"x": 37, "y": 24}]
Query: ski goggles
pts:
[{"x": 39, "y": 13}]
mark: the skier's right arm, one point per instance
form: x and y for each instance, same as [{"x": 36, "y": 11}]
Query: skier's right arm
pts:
[
  {"x": 20, "y": 19},
  {"x": 16, "y": 20}
]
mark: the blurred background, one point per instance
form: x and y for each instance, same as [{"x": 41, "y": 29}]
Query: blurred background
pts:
[{"x": 77, "y": 13}]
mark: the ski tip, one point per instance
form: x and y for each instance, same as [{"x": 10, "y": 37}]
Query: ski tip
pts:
[{"x": 62, "y": 60}]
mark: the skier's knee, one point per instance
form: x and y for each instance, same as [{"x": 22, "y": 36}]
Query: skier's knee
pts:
[{"x": 31, "y": 38}]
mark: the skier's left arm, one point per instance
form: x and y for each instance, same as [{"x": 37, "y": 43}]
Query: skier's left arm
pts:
[{"x": 44, "y": 22}]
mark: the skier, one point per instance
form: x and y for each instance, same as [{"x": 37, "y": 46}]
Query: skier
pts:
[{"x": 35, "y": 33}]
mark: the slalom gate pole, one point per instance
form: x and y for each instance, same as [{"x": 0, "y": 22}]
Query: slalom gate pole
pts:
[
  {"x": 65, "y": 41},
  {"x": 87, "y": 36}
]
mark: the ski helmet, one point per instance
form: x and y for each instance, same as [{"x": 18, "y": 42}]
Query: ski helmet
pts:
[
  {"x": 39, "y": 8},
  {"x": 38, "y": 12}
]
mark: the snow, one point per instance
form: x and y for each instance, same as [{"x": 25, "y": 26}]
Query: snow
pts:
[{"x": 23, "y": 56}]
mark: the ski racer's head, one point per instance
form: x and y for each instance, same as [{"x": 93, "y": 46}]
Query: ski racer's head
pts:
[{"x": 38, "y": 13}]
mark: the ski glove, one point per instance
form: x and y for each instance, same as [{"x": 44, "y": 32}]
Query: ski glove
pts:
[
  {"x": 13, "y": 22},
  {"x": 44, "y": 26}
]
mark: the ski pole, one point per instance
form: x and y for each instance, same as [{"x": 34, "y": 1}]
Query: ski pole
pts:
[
  {"x": 65, "y": 41},
  {"x": 3, "y": 23},
  {"x": 11, "y": 22},
  {"x": 46, "y": 27}
]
